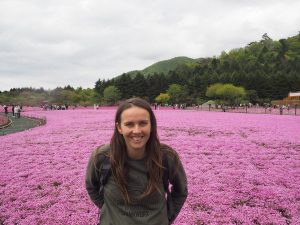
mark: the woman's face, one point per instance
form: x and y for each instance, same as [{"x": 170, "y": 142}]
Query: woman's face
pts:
[{"x": 135, "y": 127}]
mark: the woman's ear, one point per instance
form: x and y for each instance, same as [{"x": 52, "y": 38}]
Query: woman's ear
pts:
[{"x": 119, "y": 128}]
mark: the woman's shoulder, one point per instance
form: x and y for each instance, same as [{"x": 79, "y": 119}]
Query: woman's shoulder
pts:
[
  {"x": 172, "y": 155},
  {"x": 102, "y": 148},
  {"x": 101, "y": 152},
  {"x": 166, "y": 149}
]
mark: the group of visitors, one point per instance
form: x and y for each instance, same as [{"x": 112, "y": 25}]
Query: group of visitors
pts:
[
  {"x": 179, "y": 106},
  {"x": 96, "y": 106},
  {"x": 56, "y": 107},
  {"x": 60, "y": 107},
  {"x": 16, "y": 111}
]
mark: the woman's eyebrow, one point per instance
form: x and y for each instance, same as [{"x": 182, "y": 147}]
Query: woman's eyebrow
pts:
[{"x": 146, "y": 120}]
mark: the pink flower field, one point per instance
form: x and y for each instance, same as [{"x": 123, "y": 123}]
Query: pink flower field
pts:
[{"x": 241, "y": 168}]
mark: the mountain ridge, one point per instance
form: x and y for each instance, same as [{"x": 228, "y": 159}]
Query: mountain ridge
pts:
[{"x": 163, "y": 66}]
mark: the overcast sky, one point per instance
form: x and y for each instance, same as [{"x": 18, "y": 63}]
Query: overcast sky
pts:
[{"x": 60, "y": 42}]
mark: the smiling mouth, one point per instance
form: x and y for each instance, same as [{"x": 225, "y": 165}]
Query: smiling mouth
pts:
[{"x": 137, "y": 138}]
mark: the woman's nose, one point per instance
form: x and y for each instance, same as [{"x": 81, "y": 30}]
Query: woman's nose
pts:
[{"x": 137, "y": 129}]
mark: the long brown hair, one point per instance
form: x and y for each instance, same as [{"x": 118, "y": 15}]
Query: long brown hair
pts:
[{"x": 154, "y": 150}]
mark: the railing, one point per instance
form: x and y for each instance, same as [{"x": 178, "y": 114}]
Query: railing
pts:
[
  {"x": 32, "y": 121},
  {"x": 254, "y": 110},
  {"x": 39, "y": 120}
]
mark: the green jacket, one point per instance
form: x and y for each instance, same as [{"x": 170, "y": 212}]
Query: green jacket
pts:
[{"x": 149, "y": 210}]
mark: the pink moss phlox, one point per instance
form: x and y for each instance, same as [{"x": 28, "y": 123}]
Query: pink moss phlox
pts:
[{"x": 241, "y": 168}]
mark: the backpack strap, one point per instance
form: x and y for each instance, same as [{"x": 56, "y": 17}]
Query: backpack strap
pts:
[
  {"x": 104, "y": 175},
  {"x": 105, "y": 171},
  {"x": 165, "y": 178}
]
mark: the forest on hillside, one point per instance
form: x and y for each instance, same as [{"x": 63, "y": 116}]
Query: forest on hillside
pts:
[{"x": 266, "y": 70}]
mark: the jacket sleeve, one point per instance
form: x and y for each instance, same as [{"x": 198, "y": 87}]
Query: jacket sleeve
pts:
[
  {"x": 92, "y": 178},
  {"x": 179, "y": 190}
]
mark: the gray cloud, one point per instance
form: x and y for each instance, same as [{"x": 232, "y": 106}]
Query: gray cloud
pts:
[{"x": 56, "y": 43}]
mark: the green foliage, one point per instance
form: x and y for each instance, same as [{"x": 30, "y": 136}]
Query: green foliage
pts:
[
  {"x": 77, "y": 98},
  {"x": 184, "y": 95},
  {"x": 174, "y": 92},
  {"x": 125, "y": 85},
  {"x": 162, "y": 98},
  {"x": 95, "y": 98},
  {"x": 111, "y": 95},
  {"x": 252, "y": 95},
  {"x": 200, "y": 101},
  {"x": 210, "y": 102},
  {"x": 67, "y": 96},
  {"x": 227, "y": 92},
  {"x": 192, "y": 65},
  {"x": 140, "y": 85},
  {"x": 164, "y": 66},
  {"x": 211, "y": 92}
]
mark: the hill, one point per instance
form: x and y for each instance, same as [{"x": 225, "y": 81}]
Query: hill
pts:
[{"x": 164, "y": 66}]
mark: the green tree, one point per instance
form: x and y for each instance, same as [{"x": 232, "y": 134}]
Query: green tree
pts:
[
  {"x": 195, "y": 83},
  {"x": 215, "y": 78},
  {"x": 111, "y": 95},
  {"x": 225, "y": 78},
  {"x": 55, "y": 95},
  {"x": 214, "y": 63},
  {"x": 200, "y": 101},
  {"x": 95, "y": 98},
  {"x": 174, "y": 92},
  {"x": 294, "y": 80},
  {"x": 280, "y": 87},
  {"x": 264, "y": 50},
  {"x": 125, "y": 85},
  {"x": 77, "y": 98},
  {"x": 225, "y": 66},
  {"x": 184, "y": 95},
  {"x": 151, "y": 91},
  {"x": 266, "y": 68},
  {"x": 162, "y": 83},
  {"x": 254, "y": 48},
  {"x": 252, "y": 95},
  {"x": 230, "y": 93},
  {"x": 211, "y": 92},
  {"x": 139, "y": 86},
  {"x": 83, "y": 95},
  {"x": 69, "y": 88},
  {"x": 78, "y": 90},
  {"x": 67, "y": 96},
  {"x": 205, "y": 82},
  {"x": 99, "y": 87},
  {"x": 162, "y": 98},
  {"x": 173, "y": 78}
]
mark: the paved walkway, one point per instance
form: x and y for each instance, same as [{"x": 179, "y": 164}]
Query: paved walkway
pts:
[{"x": 18, "y": 124}]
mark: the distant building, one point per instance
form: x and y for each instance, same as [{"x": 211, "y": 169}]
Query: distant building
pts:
[{"x": 293, "y": 96}]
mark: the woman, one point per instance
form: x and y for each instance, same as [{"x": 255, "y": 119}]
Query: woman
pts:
[{"x": 134, "y": 193}]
